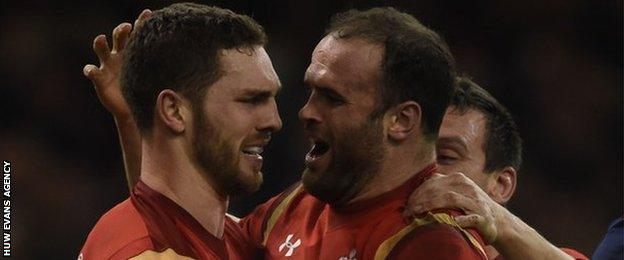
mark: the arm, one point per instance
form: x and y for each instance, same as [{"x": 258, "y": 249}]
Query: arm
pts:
[
  {"x": 105, "y": 79},
  {"x": 508, "y": 234}
]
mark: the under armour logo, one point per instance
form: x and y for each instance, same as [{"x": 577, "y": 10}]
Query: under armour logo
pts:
[
  {"x": 352, "y": 256},
  {"x": 291, "y": 246}
]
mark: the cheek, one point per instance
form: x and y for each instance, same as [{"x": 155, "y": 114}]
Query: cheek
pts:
[{"x": 232, "y": 124}]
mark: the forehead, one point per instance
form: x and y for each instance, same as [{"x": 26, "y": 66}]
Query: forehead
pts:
[
  {"x": 346, "y": 62},
  {"x": 247, "y": 68},
  {"x": 468, "y": 127}
]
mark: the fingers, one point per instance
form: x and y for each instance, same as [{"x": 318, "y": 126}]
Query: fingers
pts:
[
  {"x": 446, "y": 200},
  {"x": 485, "y": 228},
  {"x": 100, "y": 47},
  {"x": 91, "y": 71},
  {"x": 472, "y": 220},
  {"x": 120, "y": 36},
  {"x": 94, "y": 74},
  {"x": 147, "y": 13}
]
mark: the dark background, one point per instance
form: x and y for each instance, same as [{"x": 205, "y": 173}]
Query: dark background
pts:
[{"x": 557, "y": 65}]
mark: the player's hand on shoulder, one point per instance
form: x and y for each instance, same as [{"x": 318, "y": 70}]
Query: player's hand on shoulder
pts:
[{"x": 460, "y": 192}]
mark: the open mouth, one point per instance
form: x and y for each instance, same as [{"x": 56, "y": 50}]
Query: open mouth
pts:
[
  {"x": 318, "y": 149},
  {"x": 315, "y": 158},
  {"x": 253, "y": 150}
]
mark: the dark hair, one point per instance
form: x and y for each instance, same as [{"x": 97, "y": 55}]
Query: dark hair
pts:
[
  {"x": 416, "y": 64},
  {"x": 503, "y": 145},
  {"x": 178, "y": 48}
]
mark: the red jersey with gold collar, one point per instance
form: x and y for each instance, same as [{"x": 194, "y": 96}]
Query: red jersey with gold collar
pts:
[
  {"x": 149, "y": 225},
  {"x": 296, "y": 225}
]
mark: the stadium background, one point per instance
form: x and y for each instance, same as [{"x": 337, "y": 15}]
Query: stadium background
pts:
[{"x": 556, "y": 64}]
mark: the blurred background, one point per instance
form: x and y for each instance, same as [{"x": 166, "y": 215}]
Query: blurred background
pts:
[{"x": 556, "y": 64}]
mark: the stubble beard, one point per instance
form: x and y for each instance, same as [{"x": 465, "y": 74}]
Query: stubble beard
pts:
[
  {"x": 220, "y": 160},
  {"x": 357, "y": 158}
]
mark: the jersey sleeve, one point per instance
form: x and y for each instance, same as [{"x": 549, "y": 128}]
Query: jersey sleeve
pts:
[
  {"x": 573, "y": 253},
  {"x": 435, "y": 241},
  {"x": 434, "y": 235}
]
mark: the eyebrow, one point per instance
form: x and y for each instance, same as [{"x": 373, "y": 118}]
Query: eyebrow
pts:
[
  {"x": 453, "y": 141},
  {"x": 324, "y": 90},
  {"x": 262, "y": 92}
]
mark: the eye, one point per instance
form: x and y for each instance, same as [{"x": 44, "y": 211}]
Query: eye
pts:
[
  {"x": 332, "y": 99},
  {"x": 444, "y": 159},
  {"x": 447, "y": 156},
  {"x": 255, "y": 100}
]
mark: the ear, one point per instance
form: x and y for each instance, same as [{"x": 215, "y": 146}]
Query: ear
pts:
[
  {"x": 404, "y": 120},
  {"x": 172, "y": 110},
  {"x": 504, "y": 185}
]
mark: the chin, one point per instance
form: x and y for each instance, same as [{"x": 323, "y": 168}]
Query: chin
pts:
[{"x": 248, "y": 182}]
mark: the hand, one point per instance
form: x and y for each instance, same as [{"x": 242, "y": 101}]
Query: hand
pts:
[
  {"x": 105, "y": 79},
  {"x": 458, "y": 191}
]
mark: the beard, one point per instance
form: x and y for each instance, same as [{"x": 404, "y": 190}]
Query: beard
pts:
[
  {"x": 357, "y": 157},
  {"x": 220, "y": 160}
]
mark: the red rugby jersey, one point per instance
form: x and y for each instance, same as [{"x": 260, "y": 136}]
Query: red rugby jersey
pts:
[
  {"x": 295, "y": 225},
  {"x": 149, "y": 225},
  {"x": 573, "y": 253}
]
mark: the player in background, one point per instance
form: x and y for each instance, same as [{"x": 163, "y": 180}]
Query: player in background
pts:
[
  {"x": 480, "y": 146},
  {"x": 201, "y": 89}
]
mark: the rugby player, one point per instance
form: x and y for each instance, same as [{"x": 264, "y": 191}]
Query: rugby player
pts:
[
  {"x": 352, "y": 253},
  {"x": 201, "y": 89},
  {"x": 481, "y": 150},
  {"x": 380, "y": 83}
]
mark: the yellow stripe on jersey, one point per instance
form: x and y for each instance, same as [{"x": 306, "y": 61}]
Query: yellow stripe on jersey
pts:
[
  {"x": 168, "y": 254},
  {"x": 442, "y": 218},
  {"x": 278, "y": 212}
]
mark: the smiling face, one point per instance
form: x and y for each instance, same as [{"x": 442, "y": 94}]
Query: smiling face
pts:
[
  {"x": 460, "y": 146},
  {"x": 347, "y": 144},
  {"x": 236, "y": 120}
]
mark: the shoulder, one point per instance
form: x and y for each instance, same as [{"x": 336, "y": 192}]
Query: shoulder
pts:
[
  {"x": 120, "y": 233},
  {"x": 435, "y": 235},
  {"x": 259, "y": 223}
]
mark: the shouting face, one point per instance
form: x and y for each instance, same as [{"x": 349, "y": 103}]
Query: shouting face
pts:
[{"x": 346, "y": 140}]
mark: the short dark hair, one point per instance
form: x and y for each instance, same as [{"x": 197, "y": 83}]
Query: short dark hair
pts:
[
  {"x": 416, "y": 64},
  {"x": 503, "y": 145},
  {"x": 178, "y": 48}
]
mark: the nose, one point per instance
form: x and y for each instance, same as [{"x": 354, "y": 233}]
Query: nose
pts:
[
  {"x": 308, "y": 114},
  {"x": 273, "y": 122}
]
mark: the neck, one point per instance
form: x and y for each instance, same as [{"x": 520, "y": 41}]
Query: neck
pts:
[
  {"x": 170, "y": 172},
  {"x": 400, "y": 164}
]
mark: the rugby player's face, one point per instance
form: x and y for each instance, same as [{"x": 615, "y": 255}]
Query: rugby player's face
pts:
[
  {"x": 346, "y": 143},
  {"x": 460, "y": 146},
  {"x": 236, "y": 120}
]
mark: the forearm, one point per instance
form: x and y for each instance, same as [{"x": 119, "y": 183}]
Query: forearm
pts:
[
  {"x": 517, "y": 240},
  {"x": 130, "y": 142}
]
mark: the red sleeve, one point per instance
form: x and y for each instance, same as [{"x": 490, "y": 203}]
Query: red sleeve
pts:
[
  {"x": 435, "y": 241},
  {"x": 573, "y": 253},
  {"x": 119, "y": 234}
]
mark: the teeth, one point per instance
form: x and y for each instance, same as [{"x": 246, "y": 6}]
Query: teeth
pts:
[{"x": 253, "y": 150}]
